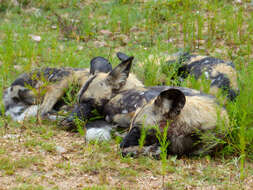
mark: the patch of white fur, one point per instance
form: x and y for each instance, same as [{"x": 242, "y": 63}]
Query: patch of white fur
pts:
[
  {"x": 13, "y": 111},
  {"x": 7, "y": 98},
  {"x": 29, "y": 112},
  {"x": 124, "y": 111},
  {"x": 98, "y": 134},
  {"x": 206, "y": 74},
  {"x": 166, "y": 105}
]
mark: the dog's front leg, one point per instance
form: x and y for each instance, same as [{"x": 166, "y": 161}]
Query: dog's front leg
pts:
[{"x": 53, "y": 94}]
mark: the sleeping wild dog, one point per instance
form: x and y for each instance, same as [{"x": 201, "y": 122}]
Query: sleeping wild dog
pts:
[
  {"x": 189, "y": 115},
  {"x": 22, "y": 99},
  {"x": 102, "y": 87},
  {"x": 99, "y": 89},
  {"x": 124, "y": 104}
]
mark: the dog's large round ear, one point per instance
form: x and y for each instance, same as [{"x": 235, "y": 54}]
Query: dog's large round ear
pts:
[
  {"x": 118, "y": 76},
  {"x": 122, "y": 57},
  {"x": 100, "y": 64},
  {"x": 171, "y": 101}
]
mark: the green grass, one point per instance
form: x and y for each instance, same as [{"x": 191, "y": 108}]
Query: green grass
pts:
[
  {"x": 10, "y": 166},
  {"x": 101, "y": 28},
  {"x": 28, "y": 187}
]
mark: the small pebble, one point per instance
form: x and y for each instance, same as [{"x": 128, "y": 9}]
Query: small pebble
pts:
[{"x": 60, "y": 149}]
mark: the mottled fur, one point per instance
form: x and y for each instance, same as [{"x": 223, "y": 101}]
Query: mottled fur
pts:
[
  {"x": 188, "y": 114},
  {"x": 102, "y": 87},
  {"x": 188, "y": 111},
  {"x": 45, "y": 87},
  {"x": 50, "y": 82},
  {"x": 221, "y": 74}
]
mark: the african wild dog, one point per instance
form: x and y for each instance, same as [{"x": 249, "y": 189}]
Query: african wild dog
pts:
[
  {"x": 198, "y": 114},
  {"x": 109, "y": 85},
  {"x": 188, "y": 111},
  {"x": 221, "y": 74},
  {"x": 20, "y": 99},
  {"x": 99, "y": 90},
  {"x": 102, "y": 87},
  {"x": 188, "y": 114}
]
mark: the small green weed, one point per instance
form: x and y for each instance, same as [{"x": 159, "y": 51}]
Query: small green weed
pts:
[
  {"x": 28, "y": 187},
  {"x": 10, "y": 166},
  {"x": 80, "y": 126},
  {"x": 164, "y": 143}
]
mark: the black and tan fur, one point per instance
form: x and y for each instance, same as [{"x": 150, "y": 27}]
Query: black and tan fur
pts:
[
  {"x": 221, "y": 74},
  {"x": 102, "y": 87},
  {"x": 45, "y": 87},
  {"x": 125, "y": 104},
  {"x": 101, "y": 91},
  {"x": 122, "y": 107},
  {"x": 188, "y": 113}
]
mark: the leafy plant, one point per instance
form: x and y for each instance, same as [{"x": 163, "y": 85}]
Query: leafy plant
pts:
[
  {"x": 164, "y": 143},
  {"x": 80, "y": 126}
]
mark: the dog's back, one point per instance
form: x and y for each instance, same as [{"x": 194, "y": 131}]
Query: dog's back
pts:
[
  {"x": 221, "y": 74},
  {"x": 24, "y": 91}
]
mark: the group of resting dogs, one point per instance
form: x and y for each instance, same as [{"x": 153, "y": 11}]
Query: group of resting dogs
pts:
[{"x": 186, "y": 114}]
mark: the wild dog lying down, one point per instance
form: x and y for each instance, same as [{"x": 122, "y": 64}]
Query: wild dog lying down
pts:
[
  {"x": 189, "y": 114},
  {"x": 22, "y": 98},
  {"x": 199, "y": 114},
  {"x": 99, "y": 90},
  {"x": 221, "y": 74},
  {"x": 187, "y": 109},
  {"x": 101, "y": 87}
]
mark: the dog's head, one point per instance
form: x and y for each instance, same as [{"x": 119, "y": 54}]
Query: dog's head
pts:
[
  {"x": 17, "y": 94},
  {"x": 100, "y": 87},
  {"x": 164, "y": 108}
]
